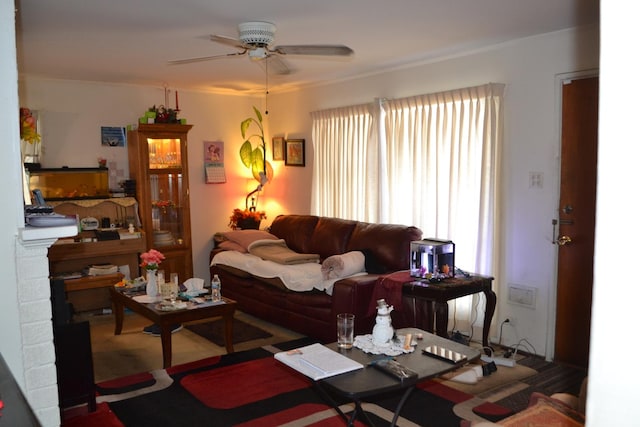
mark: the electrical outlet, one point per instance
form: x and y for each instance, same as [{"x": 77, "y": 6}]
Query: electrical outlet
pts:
[{"x": 512, "y": 322}]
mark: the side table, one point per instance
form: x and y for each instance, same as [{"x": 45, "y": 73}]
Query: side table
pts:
[{"x": 396, "y": 285}]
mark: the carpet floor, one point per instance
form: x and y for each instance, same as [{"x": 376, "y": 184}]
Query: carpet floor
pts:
[
  {"x": 250, "y": 388},
  {"x": 214, "y": 331}
]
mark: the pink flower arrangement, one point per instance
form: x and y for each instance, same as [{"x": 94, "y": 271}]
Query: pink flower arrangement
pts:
[{"x": 151, "y": 259}]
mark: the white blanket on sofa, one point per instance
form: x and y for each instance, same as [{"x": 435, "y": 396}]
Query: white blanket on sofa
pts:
[{"x": 297, "y": 277}]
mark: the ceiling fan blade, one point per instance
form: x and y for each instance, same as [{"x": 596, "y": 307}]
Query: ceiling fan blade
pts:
[
  {"x": 229, "y": 41},
  {"x": 314, "y": 49},
  {"x": 205, "y": 58},
  {"x": 274, "y": 65}
]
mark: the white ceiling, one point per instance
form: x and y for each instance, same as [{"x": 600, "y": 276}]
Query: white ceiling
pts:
[{"x": 130, "y": 41}]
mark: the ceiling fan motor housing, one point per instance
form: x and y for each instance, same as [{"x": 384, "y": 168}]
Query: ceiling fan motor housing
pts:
[{"x": 257, "y": 33}]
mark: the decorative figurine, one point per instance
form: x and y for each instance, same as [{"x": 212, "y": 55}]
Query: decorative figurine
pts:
[{"x": 383, "y": 331}]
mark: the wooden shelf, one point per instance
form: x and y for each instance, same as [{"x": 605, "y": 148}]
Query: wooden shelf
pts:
[
  {"x": 81, "y": 250},
  {"x": 91, "y": 292}
]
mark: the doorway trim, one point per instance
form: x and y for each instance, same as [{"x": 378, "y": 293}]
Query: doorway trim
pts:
[{"x": 560, "y": 80}]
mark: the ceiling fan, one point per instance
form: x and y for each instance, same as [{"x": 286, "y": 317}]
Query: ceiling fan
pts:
[{"x": 255, "y": 39}]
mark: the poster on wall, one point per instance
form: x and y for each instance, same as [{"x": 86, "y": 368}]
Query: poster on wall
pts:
[
  {"x": 113, "y": 136},
  {"x": 214, "y": 162}
]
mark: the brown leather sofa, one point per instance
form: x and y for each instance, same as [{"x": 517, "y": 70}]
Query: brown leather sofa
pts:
[{"x": 313, "y": 313}]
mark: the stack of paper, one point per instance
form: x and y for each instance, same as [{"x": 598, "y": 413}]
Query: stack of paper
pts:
[
  {"x": 102, "y": 269},
  {"x": 317, "y": 361}
]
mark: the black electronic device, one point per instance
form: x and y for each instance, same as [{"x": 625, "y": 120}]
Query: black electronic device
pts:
[
  {"x": 395, "y": 369},
  {"x": 445, "y": 354},
  {"x": 40, "y": 207},
  {"x": 37, "y": 194}
]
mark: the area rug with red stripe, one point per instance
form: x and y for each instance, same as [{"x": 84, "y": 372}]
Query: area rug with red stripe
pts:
[{"x": 250, "y": 388}]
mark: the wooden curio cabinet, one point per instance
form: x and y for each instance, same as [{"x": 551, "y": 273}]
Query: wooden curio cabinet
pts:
[{"x": 158, "y": 164}]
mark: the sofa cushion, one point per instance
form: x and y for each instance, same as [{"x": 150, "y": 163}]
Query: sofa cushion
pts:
[
  {"x": 296, "y": 230},
  {"x": 389, "y": 243},
  {"x": 330, "y": 236},
  {"x": 244, "y": 238},
  {"x": 229, "y": 245}
]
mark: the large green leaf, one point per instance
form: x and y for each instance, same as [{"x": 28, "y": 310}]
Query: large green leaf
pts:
[
  {"x": 258, "y": 114},
  {"x": 246, "y": 154},
  {"x": 244, "y": 125}
]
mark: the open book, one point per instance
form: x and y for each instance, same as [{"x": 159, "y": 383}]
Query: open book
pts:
[{"x": 317, "y": 361}]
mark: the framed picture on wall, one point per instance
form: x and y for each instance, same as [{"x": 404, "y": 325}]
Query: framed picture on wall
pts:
[
  {"x": 294, "y": 152},
  {"x": 277, "y": 145}
]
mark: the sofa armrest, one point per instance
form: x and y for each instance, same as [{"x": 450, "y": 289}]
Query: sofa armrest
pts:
[{"x": 353, "y": 295}]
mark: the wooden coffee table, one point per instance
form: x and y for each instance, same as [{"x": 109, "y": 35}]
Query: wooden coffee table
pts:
[{"x": 121, "y": 299}]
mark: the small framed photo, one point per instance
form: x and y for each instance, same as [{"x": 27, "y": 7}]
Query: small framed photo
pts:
[
  {"x": 113, "y": 136},
  {"x": 278, "y": 147},
  {"x": 294, "y": 152}
]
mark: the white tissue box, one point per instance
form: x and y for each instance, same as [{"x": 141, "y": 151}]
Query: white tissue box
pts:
[{"x": 432, "y": 257}]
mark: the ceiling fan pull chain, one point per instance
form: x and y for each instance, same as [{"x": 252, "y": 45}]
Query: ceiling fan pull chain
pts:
[{"x": 266, "y": 85}]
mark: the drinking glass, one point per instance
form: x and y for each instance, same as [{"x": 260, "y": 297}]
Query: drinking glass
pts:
[
  {"x": 175, "y": 286},
  {"x": 345, "y": 330}
]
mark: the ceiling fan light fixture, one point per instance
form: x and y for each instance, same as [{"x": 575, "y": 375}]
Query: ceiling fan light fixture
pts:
[
  {"x": 258, "y": 53},
  {"x": 257, "y": 33}
]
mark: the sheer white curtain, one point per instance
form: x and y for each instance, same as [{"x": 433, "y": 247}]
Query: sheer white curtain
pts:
[
  {"x": 443, "y": 163},
  {"x": 432, "y": 161},
  {"x": 345, "y": 164}
]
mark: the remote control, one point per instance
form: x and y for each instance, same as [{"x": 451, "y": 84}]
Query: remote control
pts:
[{"x": 395, "y": 369}]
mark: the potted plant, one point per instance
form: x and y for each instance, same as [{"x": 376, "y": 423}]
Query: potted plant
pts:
[
  {"x": 254, "y": 158},
  {"x": 246, "y": 219}
]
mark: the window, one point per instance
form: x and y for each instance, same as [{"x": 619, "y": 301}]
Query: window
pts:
[{"x": 432, "y": 161}]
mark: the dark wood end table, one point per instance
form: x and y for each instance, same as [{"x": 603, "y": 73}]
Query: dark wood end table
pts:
[
  {"x": 436, "y": 295},
  {"x": 165, "y": 319}
]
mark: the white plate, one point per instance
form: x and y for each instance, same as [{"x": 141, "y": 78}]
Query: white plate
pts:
[
  {"x": 146, "y": 299},
  {"x": 53, "y": 220}
]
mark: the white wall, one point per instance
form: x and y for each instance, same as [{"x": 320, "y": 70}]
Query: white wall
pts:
[
  {"x": 529, "y": 68},
  {"x": 12, "y": 210},
  {"x": 613, "y": 384}
]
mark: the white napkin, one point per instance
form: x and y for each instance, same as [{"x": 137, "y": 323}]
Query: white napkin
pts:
[{"x": 194, "y": 285}]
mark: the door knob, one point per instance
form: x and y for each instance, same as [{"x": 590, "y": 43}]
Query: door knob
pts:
[{"x": 563, "y": 240}]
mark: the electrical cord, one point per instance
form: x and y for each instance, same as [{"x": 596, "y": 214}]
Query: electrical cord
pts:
[
  {"x": 529, "y": 347},
  {"x": 501, "y": 326}
]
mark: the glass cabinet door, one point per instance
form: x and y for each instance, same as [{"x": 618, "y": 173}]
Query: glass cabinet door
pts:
[{"x": 168, "y": 195}]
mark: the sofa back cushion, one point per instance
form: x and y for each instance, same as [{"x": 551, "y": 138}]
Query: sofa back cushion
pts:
[
  {"x": 330, "y": 236},
  {"x": 387, "y": 246},
  {"x": 296, "y": 230}
]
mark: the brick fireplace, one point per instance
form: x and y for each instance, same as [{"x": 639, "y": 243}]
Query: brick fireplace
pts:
[{"x": 36, "y": 328}]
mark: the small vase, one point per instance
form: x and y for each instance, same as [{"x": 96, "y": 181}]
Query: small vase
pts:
[{"x": 152, "y": 283}]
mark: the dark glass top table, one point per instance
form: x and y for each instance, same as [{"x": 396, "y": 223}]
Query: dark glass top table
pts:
[{"x": 368, "y": 382}]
